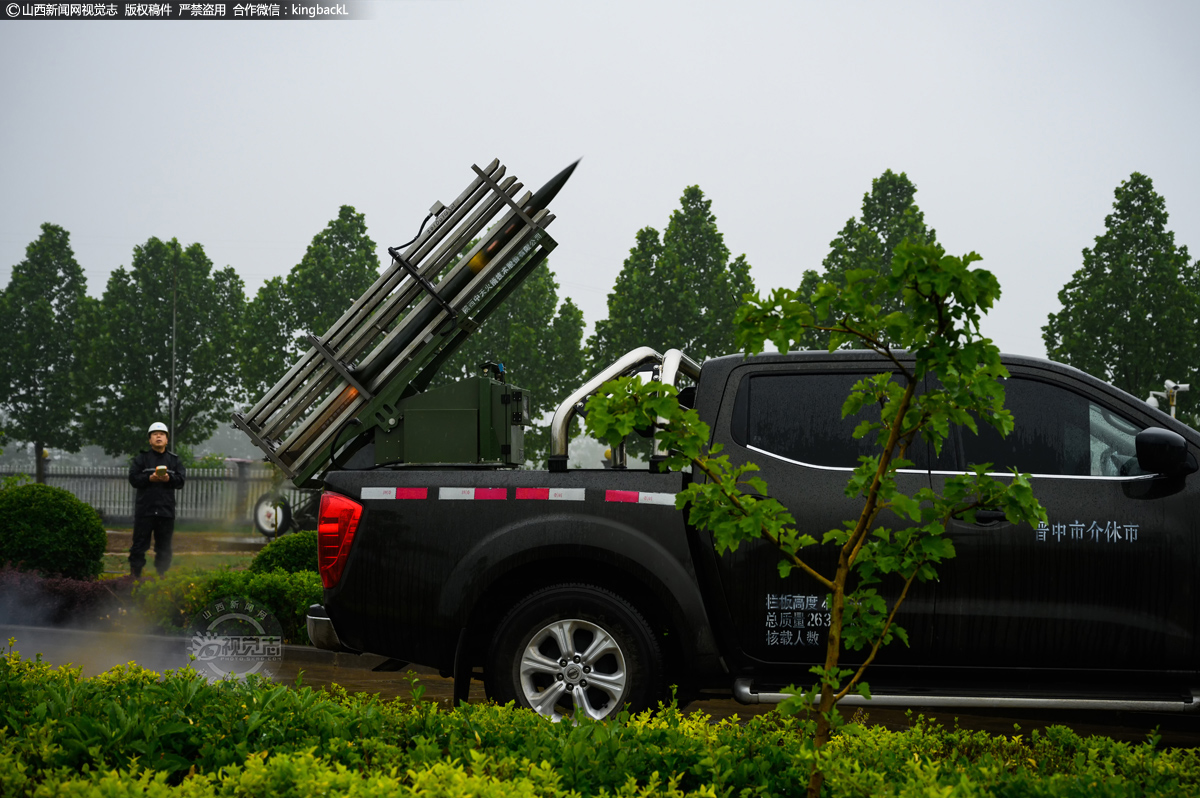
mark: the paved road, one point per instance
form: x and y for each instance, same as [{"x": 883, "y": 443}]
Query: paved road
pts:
[{"x": 95, "y": 652}]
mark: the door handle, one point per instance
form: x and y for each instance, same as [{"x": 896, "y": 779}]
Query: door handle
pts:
[{"x": 988, "y": 517}]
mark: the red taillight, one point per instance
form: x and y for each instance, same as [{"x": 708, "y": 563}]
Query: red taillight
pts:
[{"x": 336, "y": 525}]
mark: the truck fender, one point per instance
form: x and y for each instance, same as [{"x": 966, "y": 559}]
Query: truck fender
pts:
[{"x": 561, "y": 535}]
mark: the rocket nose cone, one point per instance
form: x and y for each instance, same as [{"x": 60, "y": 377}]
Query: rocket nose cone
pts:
[{"x": 542, "y": 197}]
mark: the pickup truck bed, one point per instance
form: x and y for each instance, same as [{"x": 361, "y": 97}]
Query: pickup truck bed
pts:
[{"x": 416, "y": 578}]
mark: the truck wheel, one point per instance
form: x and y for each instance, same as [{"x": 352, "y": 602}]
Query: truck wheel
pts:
[
  {"x": 272, "y": 515},
  {"x": 574, "y": 647}
]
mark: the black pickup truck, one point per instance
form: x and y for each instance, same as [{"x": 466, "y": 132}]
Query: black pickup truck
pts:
[{"x": 572, "y": 588}]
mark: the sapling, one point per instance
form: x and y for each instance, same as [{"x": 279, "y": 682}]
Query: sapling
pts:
[{"x": 934, "y": 334}]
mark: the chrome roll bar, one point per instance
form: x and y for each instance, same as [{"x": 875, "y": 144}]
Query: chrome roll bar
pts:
[
  {"x": 674, "y": 362},
  {"x": 670, "y": 366}
]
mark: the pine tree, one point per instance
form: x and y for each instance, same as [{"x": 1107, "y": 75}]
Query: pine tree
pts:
[
  {"x": 679, "y": 293},
  {"x": 1130, "y": 315},
  {"x": 889, "y": 216},
  {"x": 632, "y": 318},
  {"x": 39, "y": 312}
]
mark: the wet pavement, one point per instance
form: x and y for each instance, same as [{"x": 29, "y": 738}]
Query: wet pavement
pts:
[{"x": 96, "y": 652}]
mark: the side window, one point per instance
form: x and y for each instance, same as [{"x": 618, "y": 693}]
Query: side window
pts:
[
  {"x": 1056, "y": 432},
  {"x": 799, "y": 416},
  {"x": 1112, "y": 442}
]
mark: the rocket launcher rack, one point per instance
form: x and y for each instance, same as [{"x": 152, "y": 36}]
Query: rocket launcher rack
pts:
[{"x": 393, "y": 339}]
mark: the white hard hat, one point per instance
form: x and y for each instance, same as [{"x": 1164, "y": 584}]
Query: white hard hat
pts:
[{"x": 157, "y": 426}]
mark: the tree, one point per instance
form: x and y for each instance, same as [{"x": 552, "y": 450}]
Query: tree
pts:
[
  {"x": 38, "y": 315},
  {"x": 889, "y": 216},
  {"x": 679, "y": 293},
  {"x": 337, "y": 268},
  {"x": 128, "y": 370},
  {"x": 538, "y": 340},
  {"x": 268, "y": 344},
  {"x": 943, "y": 299},
  {"x": 632, "y": 320},
  {"x": 1129, "y": 315}
]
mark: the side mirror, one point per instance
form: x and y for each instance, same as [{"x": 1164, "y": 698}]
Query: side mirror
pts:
[{"x": 1160, "y": 451}]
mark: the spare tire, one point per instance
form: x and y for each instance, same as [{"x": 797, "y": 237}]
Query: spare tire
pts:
[{"x": 272, "y": 515}]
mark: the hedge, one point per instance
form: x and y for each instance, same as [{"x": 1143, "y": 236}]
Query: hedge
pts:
[
  {"x": 167, "y": 603},
  {"x": 134, "y": 732},
  {"x": 173, "y": 600}
]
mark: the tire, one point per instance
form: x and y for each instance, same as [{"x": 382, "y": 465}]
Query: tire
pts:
[
  {"x": 614, "y": 659},
  {"x": 304, "y": 512},
  {"x": 272, "y": 515}
]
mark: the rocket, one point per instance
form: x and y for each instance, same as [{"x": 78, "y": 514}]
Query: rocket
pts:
[
  {"x": 540, "y": 199},
  {"x": 454, "y": 286},
  {"x": 448, "y": 290}
]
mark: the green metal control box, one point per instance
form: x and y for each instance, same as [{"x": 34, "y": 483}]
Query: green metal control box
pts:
[{"x": 475, "y": 421}]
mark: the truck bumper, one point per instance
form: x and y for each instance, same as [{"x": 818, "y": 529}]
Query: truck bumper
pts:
[{"x": 321, "y": 631}]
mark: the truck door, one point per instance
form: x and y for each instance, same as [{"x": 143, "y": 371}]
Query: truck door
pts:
[
  {"x": 1107, "y": 583},
  {"x": 790, "y": 424}
]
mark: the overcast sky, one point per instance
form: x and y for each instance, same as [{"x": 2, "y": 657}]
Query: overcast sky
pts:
[{"x": 1015, "y": 120}]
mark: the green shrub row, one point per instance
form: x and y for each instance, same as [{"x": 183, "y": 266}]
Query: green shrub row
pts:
[
  {"x": 291, "y": 553},
  {"x": 172, "y": 601},
  {"x": 132, "y": 732},
  {"x": 168, "y": 603}
]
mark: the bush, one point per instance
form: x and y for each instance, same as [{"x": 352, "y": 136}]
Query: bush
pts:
[
  {"x": 132, "y": 732},
  {"x": 48, "y": 530},
  {"x": 291, "y": 553},
  {"x": 173, "y": 600}
]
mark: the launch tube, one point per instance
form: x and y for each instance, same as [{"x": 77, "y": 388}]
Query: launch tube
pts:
[
  {"x": 420, "y": 319},
  {"x": 455, "y": 285}
]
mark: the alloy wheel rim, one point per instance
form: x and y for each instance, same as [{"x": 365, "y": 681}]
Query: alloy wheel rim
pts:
[{"x": 573, "y": 664}]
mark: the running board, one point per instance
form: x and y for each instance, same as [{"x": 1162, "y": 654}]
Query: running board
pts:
[{"x": 744, "y": 692}]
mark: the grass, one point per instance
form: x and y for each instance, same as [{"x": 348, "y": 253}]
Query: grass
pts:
[
  {"x": 245, "y": 528},
  {"x": 237, "y": 561},
  {"x": 204, "y": 549}
]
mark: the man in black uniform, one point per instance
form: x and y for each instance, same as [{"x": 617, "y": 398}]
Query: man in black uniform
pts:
[{"x": 156, "y": 474}]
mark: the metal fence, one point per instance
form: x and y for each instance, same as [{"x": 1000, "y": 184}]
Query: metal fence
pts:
[{"x": 209, "y": 494}]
